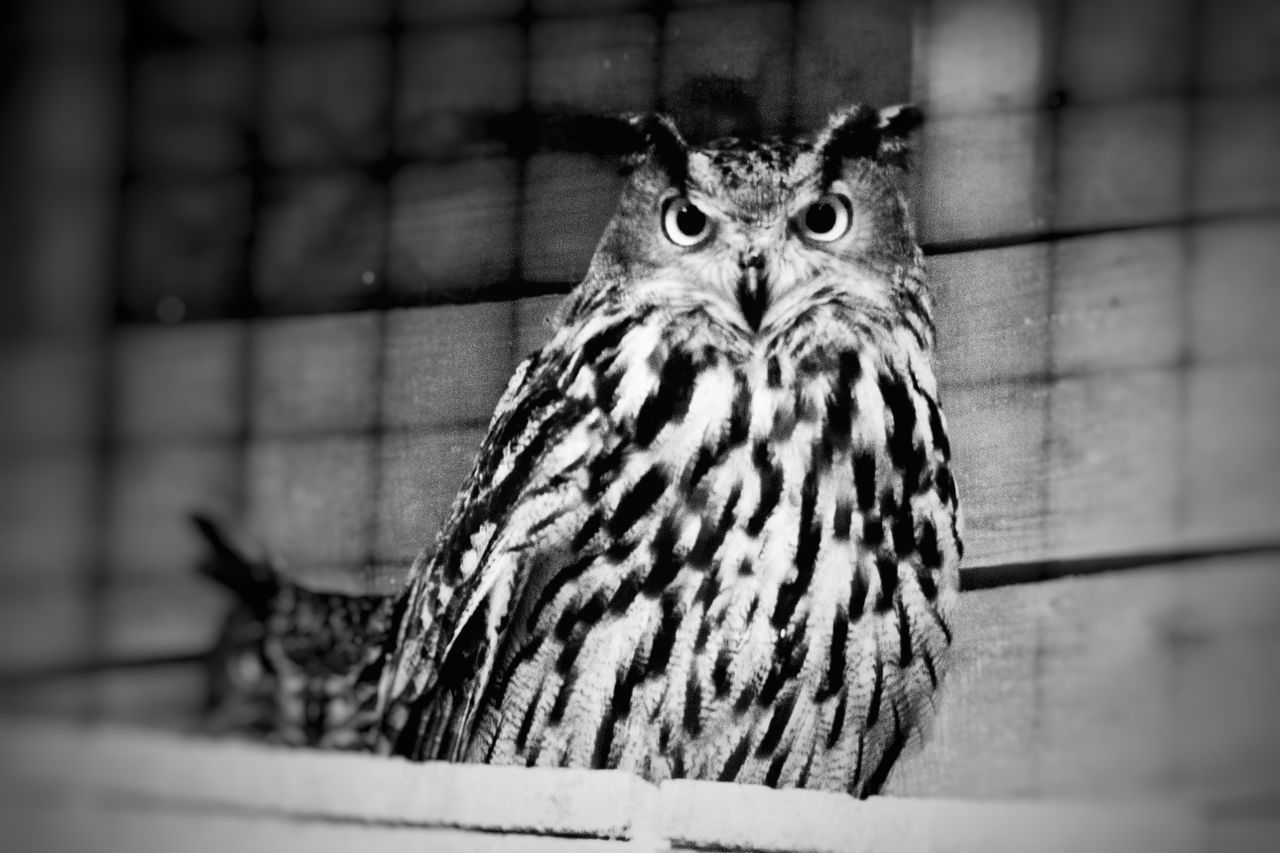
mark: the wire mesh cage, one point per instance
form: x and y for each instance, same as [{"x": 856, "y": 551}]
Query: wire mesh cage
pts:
[{"x": 276, "y": 260}]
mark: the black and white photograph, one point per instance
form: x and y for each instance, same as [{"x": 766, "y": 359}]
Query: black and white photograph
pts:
[{"x": 769, "y": 426}]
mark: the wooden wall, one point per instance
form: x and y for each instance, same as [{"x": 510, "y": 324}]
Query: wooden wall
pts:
[{"x": 279, "y": 262}]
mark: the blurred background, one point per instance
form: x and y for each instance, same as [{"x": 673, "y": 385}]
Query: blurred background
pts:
[{"x": 275, "y": 260}]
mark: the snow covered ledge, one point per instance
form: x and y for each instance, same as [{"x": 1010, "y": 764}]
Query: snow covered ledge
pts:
[{"x": 67, "y": 787}]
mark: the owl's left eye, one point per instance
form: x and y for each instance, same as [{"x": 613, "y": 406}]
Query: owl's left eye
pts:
[
  {"x": 684, "y": 223},
  {"x": 826, "y": 219}
]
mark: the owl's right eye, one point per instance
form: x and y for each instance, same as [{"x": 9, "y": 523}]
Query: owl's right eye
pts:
[{"x": 683, "y": 223}]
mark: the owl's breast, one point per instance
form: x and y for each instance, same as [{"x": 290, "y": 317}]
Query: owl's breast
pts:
[{"x": 757, "y": 587}]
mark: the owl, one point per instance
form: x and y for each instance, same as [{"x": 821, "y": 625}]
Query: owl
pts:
[
  {"x": 291, "y": 666},
  {"x": 712, "y": 531}
]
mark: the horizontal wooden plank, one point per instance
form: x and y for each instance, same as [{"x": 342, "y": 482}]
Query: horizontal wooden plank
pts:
[
  {"x": 453, "y": 228},
  {"x": 152, "y": 618},
  {"x": 168, "y": 697},
  {"x": 47, "y": 391},
  {"x": 180, "y": 382},
  {"x": 726, "y": 74},
  {"x": 86, "y": 827},
  {"x": 152, "y": 490},
  {"x": 1110, "y": 52},
  {"x": 978, "y": 56},
  {"x": 1234, "y": 169},
  {"x": 308, "y": 16},
  {"x": 94, "y": 828},
  {"x": 1148, "y": 298},
  {"x": 981, "y": 56},
  {"x": 320, "y": 243},
  {"x": 71, "y": 104},
  {"x": 81, "y": 23},
  {"x": 436, "y": 11},
  {"x": 1232, "y": 452},
  {"x": 45, "y": 625},
  {"x": 596, "y": 65},
  {"x": 713, "y": 816},
  {"x": 448, "y": 75},
  {"x": 420, "y": 474},
  {"x": 1234, "y": 300},
  {"x": 59, "y": 249},
  {"x": 1148, "y": 461},
  {"x": 48, "y": 515},
  {"x": 255, "y": 780},
  {"x": 982, "y": 177},
  {"x": 716, "y": 73},
  {"x": 1019, "y": 173},
  {"x": 847, "y": 52},
  {"x": 584, "y": 7},
  {"x": 569, "y": 199},
  {"x": 348, "y": 794},
  {"x": 192, "y": 106},
  {"x": 1136, "y": 684},
  {"x": 1125, "y": 164},
  {"x": 313, "y": 500},
  {"x": 446, "y": 366},
  {"x": 315, "y": 374},
  {"x": 183, "y": 248},
  {"x": 325, "y": 100},
  {"x": 67, "y": 697},
  {"x": 1238, "y": 46},
  {"x": 1249, "y": 833}
]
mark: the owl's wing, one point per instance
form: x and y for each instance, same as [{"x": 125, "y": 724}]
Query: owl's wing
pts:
[{"x": 508, "y": 520}]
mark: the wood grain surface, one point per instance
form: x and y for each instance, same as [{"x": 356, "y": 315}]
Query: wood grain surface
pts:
[{"x": 209, "y": 794}]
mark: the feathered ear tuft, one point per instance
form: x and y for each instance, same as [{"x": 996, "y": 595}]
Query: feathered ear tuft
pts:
[
  {"x": 658, "y": 139},
  {"x": 861, "y": 132},
  {"x": 236, "y": 562},
  {"x": 900, "y": 120},
  {"x": 896, "y": 124}
]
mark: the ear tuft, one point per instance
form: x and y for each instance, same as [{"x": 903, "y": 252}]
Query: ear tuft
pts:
[
  {"x": 859, "y": 131},
  {"x": 658, "y": 139},
  {"x": 900, "y": 120},
  {"x": 896, "y": 124},
  {"x": 851, "y": 133},
  {"x": 236, "y": 561}
]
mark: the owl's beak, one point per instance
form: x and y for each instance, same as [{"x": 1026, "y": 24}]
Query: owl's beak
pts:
[{"x": 753, "y": 291}]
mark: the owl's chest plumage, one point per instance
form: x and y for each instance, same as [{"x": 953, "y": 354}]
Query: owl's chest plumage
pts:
[{"x": 753, "y": 583}]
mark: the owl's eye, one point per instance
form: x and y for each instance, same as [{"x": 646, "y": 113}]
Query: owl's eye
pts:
[
  {"x": 683, "y": 223},
  {"x": 826, "y": 219}
]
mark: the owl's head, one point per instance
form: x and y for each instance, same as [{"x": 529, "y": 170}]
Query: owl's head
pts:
[{"x": 748, "y": 233}]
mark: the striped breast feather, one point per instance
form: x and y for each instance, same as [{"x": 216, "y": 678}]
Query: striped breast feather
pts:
[
  {"x": 687, "y": 562},
  {"x": 754, "y": 607}
]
